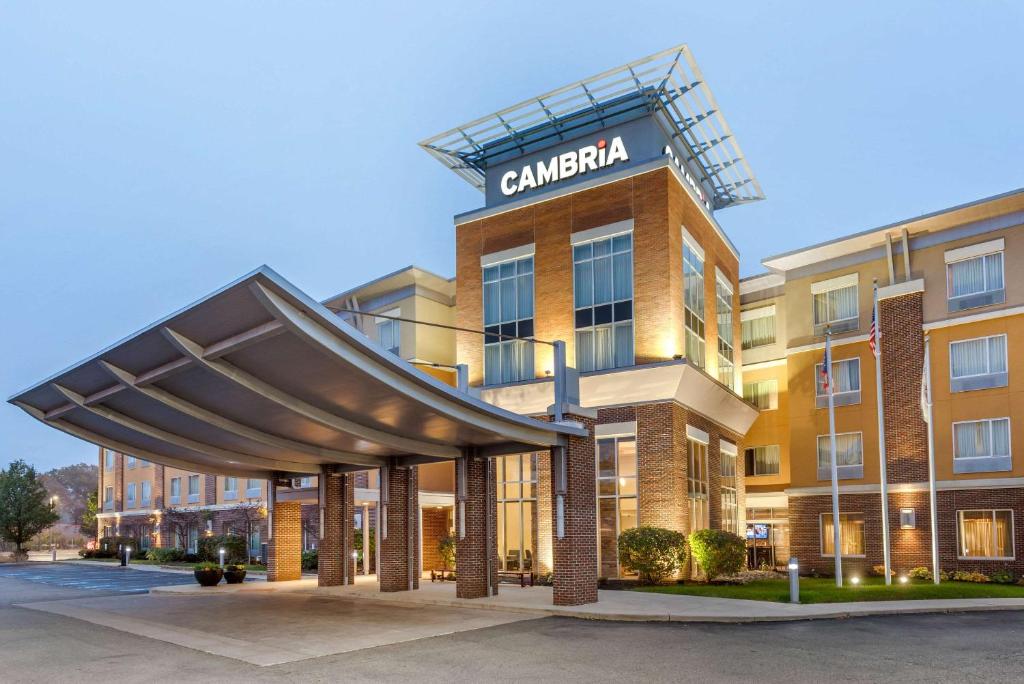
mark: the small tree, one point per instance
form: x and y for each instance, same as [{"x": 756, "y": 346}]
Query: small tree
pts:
[
  {"x": 446, "y": 549},
  {"x": 181, "y": 519},
  {"x": 717, "y": 552},
  {"x": 87, "y": 523},
  {"x": 653, "y": 553},
  {"x": 24, "y": 509}
]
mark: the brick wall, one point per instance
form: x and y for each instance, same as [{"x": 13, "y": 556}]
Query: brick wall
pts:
[
  {"x": 906, "y": 436},
  {"x": 336, "y": 566},
  {"x": 118, "y": 483},
  {"x": 284, "y": 552},
  {"x": 544, "y": 530},
  {"x": 209, "y": 489},
  {"x": 399, "y": 551},
  {"x": 478, "y": 546},
  {"x": 158, "y": 486},
  {"x": 437, "y": 524},
  {"x": 575, "y": 554}
]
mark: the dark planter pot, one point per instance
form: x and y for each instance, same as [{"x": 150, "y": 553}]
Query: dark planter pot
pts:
[
  {"x": 208, "y": 578},
  {"x": 234, "y": 576}
]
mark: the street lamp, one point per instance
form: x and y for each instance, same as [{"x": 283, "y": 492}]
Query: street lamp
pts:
[{"x": 53, "y": 547}]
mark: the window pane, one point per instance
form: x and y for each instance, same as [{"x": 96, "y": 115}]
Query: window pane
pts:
[
  {"x": 525, "y": 296},
  {"x": 492, "y": 305},
  {"x": 623, "y": 276},
  {"x": 997, "y": 354},
  {"x": 583, "y": 284},
  {"x": 603, "y": 357},
  {"x": 851, "y": 533},
  {"x": 627, "y": 457},
  {"x": 606, "y": 458},
  {"x": 968, "y": 357},
  {"x": 585, "y": 350},
  {"x": 994, "y": 271},
  {"x": 602, "y": 280},
  {"x": 967, "y": 277},
  {"x": 627, "y": 514}
]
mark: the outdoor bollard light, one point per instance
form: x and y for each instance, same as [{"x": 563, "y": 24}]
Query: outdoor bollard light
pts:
[
  {"x": 221, "y": 552},
  {"x": 794, "y": 580},
  {"x": 127, "y": 555}
]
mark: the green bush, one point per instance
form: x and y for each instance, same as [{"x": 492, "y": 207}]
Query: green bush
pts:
[
  {"x": 446, "y": 549},
  {"x": 920, "y": 573},
  {"x": 1002, "y": 577},
  {"x": 110, "y": 546},
  {"x": 717, "y": 552},
  {"x": 310, "y": 560},
  {"x": 966, "y": 576},
  {"x": 165, "y": 554},
  {"x": 235, "y": 548},
  {"x": 653, "y": 553}
]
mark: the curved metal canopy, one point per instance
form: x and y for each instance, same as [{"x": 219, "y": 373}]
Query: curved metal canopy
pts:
[{"x": 258, "y": 379}]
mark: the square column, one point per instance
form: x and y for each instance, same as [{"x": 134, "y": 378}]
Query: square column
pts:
[
  {"x": 284, "y": 550},
  {"x": 335, "y": 564},
  {"x": 574, "y": 516},
  {"x": 399, "y": 550},
  {"x": 476, "y": 553}
]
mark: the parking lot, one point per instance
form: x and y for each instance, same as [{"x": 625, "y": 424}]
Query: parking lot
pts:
[{"x": 103, "y": 579}]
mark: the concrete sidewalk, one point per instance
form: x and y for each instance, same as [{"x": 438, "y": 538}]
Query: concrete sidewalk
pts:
[{"x": 616, "y": 605}]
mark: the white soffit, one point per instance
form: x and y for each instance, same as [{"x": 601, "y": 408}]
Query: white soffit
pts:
[
  {"x": 759, "y": 312},
  {"x": 507, "y": 254},
  {"x": 971, "y": 251},
  {"x": 599, "y": 232},
  {"x": 835, "y": 283},
  {"x": 692, "y": 242}
]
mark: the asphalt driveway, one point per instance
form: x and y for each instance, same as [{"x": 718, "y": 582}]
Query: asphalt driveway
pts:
[{"x": 102, "y": 579}]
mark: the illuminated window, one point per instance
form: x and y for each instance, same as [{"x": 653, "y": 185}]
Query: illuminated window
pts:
[
  {"x": 517, "y": 510},
  {"x": 508, "y": 310},
  {"x": 851, "y": 534},
  {"x": 757, "y": 327},
  {"x": 986, "y": 534},
  {"x": 693, "y": 303},
  {"x": 764, "y": 394},
  {"x": 603, "y": 296},
  {"x": 850, "y": 461},
  {"x": 834, "y": 304},
  {"x": 616, "y": 492},
  {"x": 723, "y": 302},
  {"x": 762, "y": 460},
  {"x": 697, "y": 485},
  {"x": 730, "y": 507}
]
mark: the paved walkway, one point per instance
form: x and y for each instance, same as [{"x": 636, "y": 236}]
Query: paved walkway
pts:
[{"x": 620, "y": 605}]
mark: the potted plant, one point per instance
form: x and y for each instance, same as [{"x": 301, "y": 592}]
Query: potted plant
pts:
[
  {"x": 234, "y": 573},
  {"x": 208, "y": 574}
]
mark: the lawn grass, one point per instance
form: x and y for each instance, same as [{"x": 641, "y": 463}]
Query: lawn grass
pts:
[{"x": 824, "y": 590}]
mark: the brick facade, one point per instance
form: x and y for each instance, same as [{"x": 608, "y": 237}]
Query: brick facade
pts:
[
  {"x": 335, "y": 563},
  {"x": 477, "y": 548},
  {"x": 575, "y": 554},
  {"x": 284, "y": 550},
  {"x": 906, "y": 434},
  {"x": 400, "y": 549},
  {"x": 437, "y": 524}
]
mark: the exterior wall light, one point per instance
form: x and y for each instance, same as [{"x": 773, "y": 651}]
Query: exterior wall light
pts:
[{"x": 855, "y": 580}]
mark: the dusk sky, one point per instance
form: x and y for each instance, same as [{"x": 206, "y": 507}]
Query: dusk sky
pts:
[{"x": 149, "y": 156}]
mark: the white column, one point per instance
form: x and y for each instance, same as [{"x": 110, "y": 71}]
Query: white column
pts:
[{"x": 366, "y": 539}]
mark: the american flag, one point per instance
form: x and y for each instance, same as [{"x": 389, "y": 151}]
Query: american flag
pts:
[
  {"x": 826, "y": 374},
  {"x": 873, "y": 333}
]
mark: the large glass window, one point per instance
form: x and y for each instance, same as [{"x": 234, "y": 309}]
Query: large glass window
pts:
[
  {"x": 175, "y": 490},
  {"x": 981, "y": 438},
  {"x": 850, "y": 459},
  {"x": 108, "y": 459},
  {"x": 836, "y": 306},
  {"x": 697, "y": 485},
  {"x": 851, "y": 534},
  {"x": 129, "y": 461},
  {"x": 693, "y": 304},
  {"x": 193, "y": 488},
  {"x": 723, "y": 302},
  {"x": 147, "y": 492},
  {"x": 616, "y": 497},
  {"x": 764, "y": 394},
  {"x": 730, "y": 507},
  {"x": 108, "y": 498},
  {"x": 845, "y": 381},
  {"x": 762, "y": 460},
  {"x": 508, "y": 310},
  {"x": 603, "y": 295},
  {"x": 389, "y": 335},
  {"x": 252, "y": 488},
  {"x": 230, "y": 487},
  {"x": 517, "y": 510},
  {"x": 757, "y": 327},
  {"x": 131, "y": 495},
  {"x": 986, "y": 534},
  {"x": 980, "y": 356},
  {"x": 978, "y": 275}
]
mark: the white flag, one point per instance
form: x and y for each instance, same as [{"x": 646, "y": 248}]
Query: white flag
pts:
[{"x": 926, "y": 390}]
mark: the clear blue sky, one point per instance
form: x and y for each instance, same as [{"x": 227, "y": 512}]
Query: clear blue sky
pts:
[{"x": 150, "y": 156}]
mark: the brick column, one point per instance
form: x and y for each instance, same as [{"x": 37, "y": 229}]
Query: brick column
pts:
[
  {"x": 477, "y": 549},
  {"x": 400, "y": 544},
  {"x": 210, "y": 490},
  {"x": 284, "y": 551},
  {"x": 575, "y": 553},
  {"x": 118, "y": 483},
  {"x": 335, "y": 564},
  {"x": 158, "y": 486},
  {"x": 545, "y": 552}
]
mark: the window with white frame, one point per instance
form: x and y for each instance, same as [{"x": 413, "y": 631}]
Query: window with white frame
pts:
[
  {"x": 981, "y": 445},
  {"x": 517, "y": 511},
  {"x": 757, "y": 327},
  {"x": 834, "y": 304},
  {"x": 175, "y": 490},
  {"x": 985, "y": 534},
  {"x": 130, "y": 461},
  {"x": 108, "y": 498},
  {"x": 730, "y": 506},
  {"x": 252, "y": 488},
  {"x": 508, "y": 310},
  {"x": 851, "y": 534},
  {"x": 389, "y": 334},
  {"x": 977, "y": 363},
  {"x": 130, "y": 495},
  {"x": 108, "y": 459},
  {"x": 693, "y": 303},
  {"x": 974, "y": 275},
  {"x": 762, "y": 460},
  {"x": 603, "y": 295},
  {"x": 193, "y": 488},
  {"x": 147, "y": 492},
  {"x": 849, "y": 456},
  {"x": 764, "y": 394},
  {"x": 697, "y": 481},
  {"x": 616, "y": 497},
  {"x": 845, "y": 383},
  {"x": 723, "y": 305},
  {"x": 230, "y": 487}
]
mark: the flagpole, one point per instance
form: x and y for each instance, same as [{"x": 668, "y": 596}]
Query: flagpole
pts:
[
  {"x": 883, "y": 478},
  {"x": 927, "y": 391},
  {"x": 837, "y": 549}
]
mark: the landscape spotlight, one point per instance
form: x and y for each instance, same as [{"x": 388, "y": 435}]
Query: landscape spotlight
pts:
[
  {"x": 855, "y": 580},
  {"x": 904, "y": 579}
]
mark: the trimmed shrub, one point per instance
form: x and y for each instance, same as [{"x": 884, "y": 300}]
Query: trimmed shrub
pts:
[
  {"x": 653, "y": 553},
  {"x": 920, "y": 573},
  {"x": 310, "y": 560},
  {"x": 111, "y": 545},
  {"x": 879, "y": 571},
  {"x": 965, "y": 576},
  {"x": 235, "y": 548},
  {"x": 718, "y": 553},
  {"x": 165, "y": 554},
  {"x": 1003, "y": 576}
]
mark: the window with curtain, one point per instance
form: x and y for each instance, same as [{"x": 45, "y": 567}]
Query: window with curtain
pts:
[
  {"x": 835, "y": 306},
  {"x": 985, "y": 534},
  {"x": 757, "y": 327},
  {"x": 981, "y": 438},
  {"x": 762, "y": 460},
  {"x": 389, "y": 335},
  {"x": 108, "y": 457},
  {"x": 175, "y": 490},
  {"x": 131, "y": 495},
  {"x": 147, "y": 492},
  {"x": 129, "y": 461},
  {"x": 517, "y": 510},
  {"x": 693, "y": 304},
  {"x": 723, "y": 302},
  {"x": 979, "y": 356},
  {"x": 697, "y": 485},
  {"x": 849, "y": 451},
  {"x": 977, "y": 275},
  {"x": 730, "y": 509},
  {"x": 230, "y": 487},
  {"x": 252, "y": 487},
  {"x": 851, "y": 534},
  {"x": 764, "y": 394},
  {"x": 616, "y": 497},
  {"x": 845, "y": 377},
  {"x": 193, "y": 488},
  {"x": 508, "y": 310},
  {"x": 603, "y": 295}
]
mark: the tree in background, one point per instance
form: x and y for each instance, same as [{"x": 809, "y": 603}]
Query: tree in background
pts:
[
  {"x": 87, "y": 523},
  {"x": 25, "y": 509},
  {"x": 72, "y": 486}
]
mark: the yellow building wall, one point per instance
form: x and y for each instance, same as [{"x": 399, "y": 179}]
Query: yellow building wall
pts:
[{"x": 771, "y": 427}]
